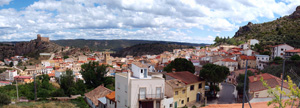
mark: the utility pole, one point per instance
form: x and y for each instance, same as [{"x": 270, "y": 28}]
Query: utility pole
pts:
[
  {"x": 245, "y": 81},
  {"x": 35, "y": 96},
  {"x": 282, "y": 79},
  {"x": 17, "y": 90}
]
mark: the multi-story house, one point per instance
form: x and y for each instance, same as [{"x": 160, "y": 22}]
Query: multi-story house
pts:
[
  {"x": 257, "y": 90},
  {"x": 279, "y": 50},
  {"x": 139, "y": 88},
  {"x": 176, "y": 89},
  {"x": 187, "y": 88},
  {"x": 229, "y": 63},
  {"x": 261, "y": 61},
  {"x": 243, "y": 59}
]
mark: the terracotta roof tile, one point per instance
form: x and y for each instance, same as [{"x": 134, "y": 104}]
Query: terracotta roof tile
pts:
[
  {"x": 295, "y": 50},
  {"x": 97, "y": 93},
  {"x": 243, "y": 57},
  {"x": 228, "y": 60},
  {"x": 185, "y": 76},
  {"x": 272, "y": 81}
]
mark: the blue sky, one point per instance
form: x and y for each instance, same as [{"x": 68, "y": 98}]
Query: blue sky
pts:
[{"x": 194, "y": 21}]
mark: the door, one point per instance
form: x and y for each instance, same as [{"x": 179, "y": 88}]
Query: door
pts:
[
  {"x": 198, "y": 97},
  {"x": 142, "y": 93},
  {"x": 146, "y": 104},
  {"x": 175, "y": 106}
]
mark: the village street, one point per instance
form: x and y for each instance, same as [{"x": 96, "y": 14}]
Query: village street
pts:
[{"x": 225, "y": 96}]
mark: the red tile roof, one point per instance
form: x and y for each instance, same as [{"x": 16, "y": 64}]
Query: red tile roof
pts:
[
  {"x": 49, "y": 67},
  {"x": 23, "y": 77},
  {"x": 93, "y": 59},
  {"x": 185, "y": 76},
  {"x": 295, "y": 50},
  {"x": 243, "y": 57},
  {"x": 228, "y": 60},
  {"x": 97, "y": 93},
  {"x": 272, "y": 81},
  {"x": 4, "y": 82}
]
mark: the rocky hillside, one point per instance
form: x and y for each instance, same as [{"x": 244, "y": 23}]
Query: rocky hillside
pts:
[
  {"x": 6, "y": 51},
  {"x": 149, "y": 48},
  {"x": 30, "y": 49},
  {"x": 283, "y": 30},
  {"x": 114, "y": 45}
]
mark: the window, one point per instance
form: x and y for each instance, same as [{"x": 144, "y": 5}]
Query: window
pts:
[
  {"x": 191, "y": 87},
  {"x": 188, "y": 99},
  {"x": 142, "y": 93},
  {"x": 281, "y": 49},
  {"x": 182, "y": 102},
  {"x": 141, "y": 70},
  {"x": 176, "y": 92},
  {"x": 281, "y": 53},
  {"x": 262, "y": 58},
  {"x": 183, "y": 91},
  {"x": 171, "y": 105},
  {"x": 200, "y": 86}
]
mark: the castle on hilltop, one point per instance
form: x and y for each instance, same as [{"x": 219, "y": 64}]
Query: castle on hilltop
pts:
[{"x": 40, "y": 38}]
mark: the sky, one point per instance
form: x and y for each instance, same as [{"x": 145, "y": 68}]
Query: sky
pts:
[{"x": 193, "y": 21}]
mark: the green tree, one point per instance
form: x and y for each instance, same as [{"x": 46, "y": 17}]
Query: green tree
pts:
[
  {"x": 180, "y": 64},
  {"x": 214, "y": 73},
  {"x": 217, "y": 39},
  {"x": 11, "y": 64},
  {"x": 240, "y": 81},
  {"x": 65, "y": 57},
  {"x": 67, "y": 82},
  {"x": 24, "y": 68},
  {"x": 295, "y": 57},
  {"x": 93, "y": 74},
  {"x": 4, "y": 99}
]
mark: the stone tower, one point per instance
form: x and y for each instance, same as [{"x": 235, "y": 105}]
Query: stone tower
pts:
[{"x": 107, "y": 59}]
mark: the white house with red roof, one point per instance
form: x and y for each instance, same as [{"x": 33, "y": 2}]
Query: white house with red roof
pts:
[
  {"x": 229, "y": 63},
  {"x": 292, "y": 52},
  {"x": 258, "y": 90},
  {"x": 279, "y": 50}
]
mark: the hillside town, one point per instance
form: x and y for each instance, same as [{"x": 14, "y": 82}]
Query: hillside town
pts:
[{"x": 143, "y": 82}]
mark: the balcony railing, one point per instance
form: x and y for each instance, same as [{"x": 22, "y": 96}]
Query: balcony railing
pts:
[{"x": 149, "y": 97}]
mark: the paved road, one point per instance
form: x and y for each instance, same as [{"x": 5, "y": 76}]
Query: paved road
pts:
[{"x": 226, "y": 95}]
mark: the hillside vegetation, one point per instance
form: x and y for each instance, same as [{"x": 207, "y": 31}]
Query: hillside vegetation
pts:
[
  {"x": 150, "y": 49},
  {"x": 282, "y": 30}
]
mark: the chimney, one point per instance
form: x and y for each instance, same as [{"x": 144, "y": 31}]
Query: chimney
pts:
[
  {"x": 173, "y": 70},
  {"x": 255, "y": 78}
]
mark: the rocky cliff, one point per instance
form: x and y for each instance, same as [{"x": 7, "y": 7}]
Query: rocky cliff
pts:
[
  {"x": 282, "y": 30},
  {"x": 30, "y": 49}
]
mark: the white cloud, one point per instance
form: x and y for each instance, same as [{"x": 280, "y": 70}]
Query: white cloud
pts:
[
  {"x": 4, "y": 2},
  {"x": 135, "y": 19}
]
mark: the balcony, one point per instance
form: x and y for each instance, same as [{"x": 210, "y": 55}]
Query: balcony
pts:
[{"x": 150, "y": 97}]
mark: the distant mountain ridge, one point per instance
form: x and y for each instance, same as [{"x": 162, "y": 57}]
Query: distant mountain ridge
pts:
[
  {"x": 148, "y": 49},
  {"x": 114, "y": 45},
  {"x": 282, "y": 30}
]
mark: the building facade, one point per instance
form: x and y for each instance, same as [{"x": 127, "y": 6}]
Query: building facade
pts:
[{"x": 140, "y": 89}]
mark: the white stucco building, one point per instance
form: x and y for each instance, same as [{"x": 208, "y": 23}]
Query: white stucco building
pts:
[
  {"x": 261, "y": 61},
  {"x": 139, "y": 88},
  {"x": 279, "y": 50},
  {"x": 252, "y": 42}
]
